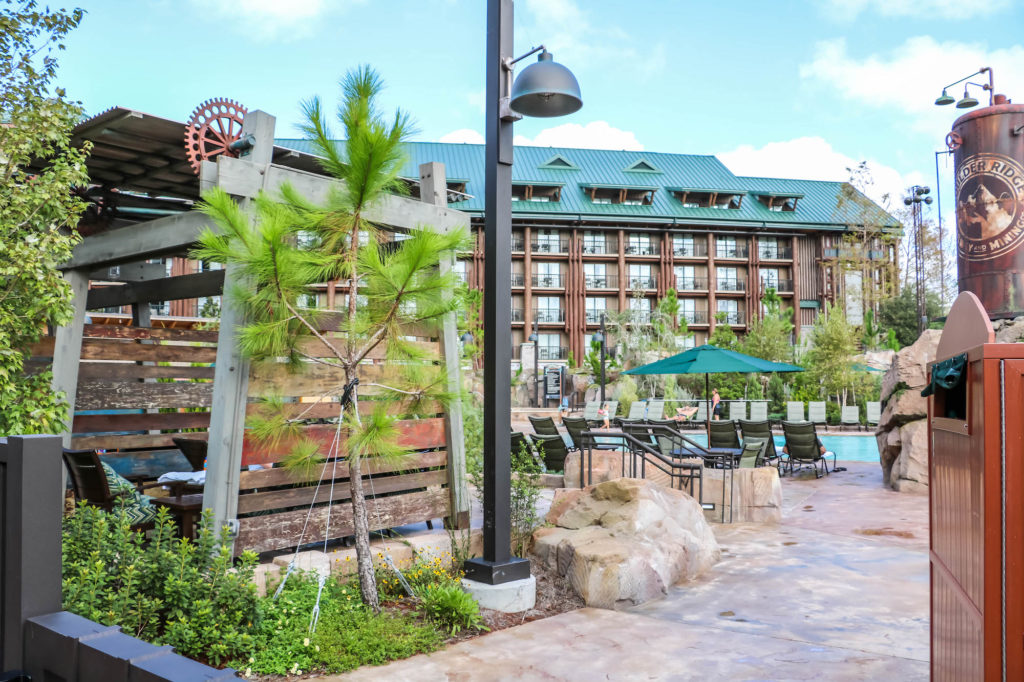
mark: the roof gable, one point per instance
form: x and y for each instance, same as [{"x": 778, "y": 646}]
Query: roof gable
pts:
[
  {"x": 559, "y": 162},
  {"x": 641, "y": 166}
]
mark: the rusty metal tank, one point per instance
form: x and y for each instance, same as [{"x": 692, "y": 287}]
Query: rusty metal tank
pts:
[{"x": 988, "y": 154}]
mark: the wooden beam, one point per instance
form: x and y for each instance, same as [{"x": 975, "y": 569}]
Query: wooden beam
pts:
[
  {"x": 169, "y": 235},
  {"x": 68, "y": 347},
  {"x": 210, "y": 283}
]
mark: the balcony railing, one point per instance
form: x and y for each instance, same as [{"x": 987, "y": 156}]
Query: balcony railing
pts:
[
  {"x": 599, "y": 249},
  {"x": 462, "y": 276},
  {"x": 518, "y": 279},
  {"x": 732, "y": 316},
  {"x": 642, "y": 250},
  {"x": 601, "y": 281},
  {"x": 731, "y": 285},
  {"x": 690, "y": 250},
  {"x": 548, "y": 281},
  {"x": 731, "y": 251},
  {"x": 643, "y": 282},
  {"x": 640, "y": 316},
  {"x": 691, "y": 284},
  {"x": 594, "y": 316},
  {"x": 549, "y": 316},
  {"x": 552, "y": 352},
  {"x": 775, "y": 253},
  {"x": 695, "y": 316},
  {"x": 517, "y": 315},
  {"x": 777, "y": 284},
  {"x": 518, "y": 243},
  {"x": 550, "y": 247}
]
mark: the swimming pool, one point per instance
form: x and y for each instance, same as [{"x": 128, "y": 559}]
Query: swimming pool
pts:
[{"x": 847, "y": 448}]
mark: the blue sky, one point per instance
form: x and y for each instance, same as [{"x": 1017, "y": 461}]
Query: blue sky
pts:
[{"x": 788, "y": 88}]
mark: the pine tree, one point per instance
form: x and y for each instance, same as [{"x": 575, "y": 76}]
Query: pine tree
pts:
[{"x": 290, "y": 245}]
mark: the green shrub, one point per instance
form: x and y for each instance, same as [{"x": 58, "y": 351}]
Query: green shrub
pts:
[
  {"x": 419, "y": 573},
  {"x": 450, "y": 607},
  {"x": 348, "y": 640},
  {"x": 190, "y": 595}
]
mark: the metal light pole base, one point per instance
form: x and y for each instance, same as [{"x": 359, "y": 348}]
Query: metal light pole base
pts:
[{"x": 497, "y": 572}]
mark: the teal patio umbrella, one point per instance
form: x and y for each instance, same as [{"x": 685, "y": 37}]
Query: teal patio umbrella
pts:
[{"x": 708, "y": 360}]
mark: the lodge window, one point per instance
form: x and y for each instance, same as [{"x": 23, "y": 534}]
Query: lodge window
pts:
[
  {"x": 779, "y": 202},
  {"x": 537, "y": 193},
  {"x": 697, "y": 198},
  {"x": 620, "y": 195}
]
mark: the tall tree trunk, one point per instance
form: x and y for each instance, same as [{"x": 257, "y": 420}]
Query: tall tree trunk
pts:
[{"x": 364, "y": 561}]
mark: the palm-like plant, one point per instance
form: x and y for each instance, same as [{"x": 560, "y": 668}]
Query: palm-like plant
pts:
[{"x": 283, "y": 247}]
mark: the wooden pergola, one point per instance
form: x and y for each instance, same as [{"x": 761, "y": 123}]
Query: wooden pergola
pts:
[{"x": 144, "y": 193}]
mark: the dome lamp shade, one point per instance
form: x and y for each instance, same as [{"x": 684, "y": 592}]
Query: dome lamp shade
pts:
[{"x": 545, "y": 89}]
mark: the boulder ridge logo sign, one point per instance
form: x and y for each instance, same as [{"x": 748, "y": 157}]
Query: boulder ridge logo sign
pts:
[{"x": 989, "y": 206}]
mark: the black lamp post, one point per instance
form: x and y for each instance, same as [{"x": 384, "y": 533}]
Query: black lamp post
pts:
[
  {"x": 542, "y": 89},
  {"x": 601, "y": 337},
  {"x": 535, "y": 337},
  {"x": 919, "y": 195}
]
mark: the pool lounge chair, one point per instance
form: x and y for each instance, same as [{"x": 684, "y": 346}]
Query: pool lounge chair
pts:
[
  {"x": 575, "y": 426},
  {"x": 795, "y": 412},
  {"x": 723, "y": 435},
  {"x": 753, "y": 454},
  {"x": 553, "y": 450},
  {"x": 543, "y": 426},
  {"x": 816, "y": 412},
  {"x": 874, "y": 413},
  {"x": 637, "y": 410},
  {"x": 590, "y": 410},
  {"x": 850, "y": 417},
  {"x": 655, "y": 409},
  {"x": 737, "y": 410},
  {"x": 758, "y": 411},
  {"x": 762, "y": 430},
  {"x": 804, "y": 447}
]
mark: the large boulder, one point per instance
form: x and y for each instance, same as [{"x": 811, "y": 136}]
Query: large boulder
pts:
[
  {"x": 902, "y": 433},
  {"x": 1009, "y": 331},
  {"x": 626, "y": 541}
]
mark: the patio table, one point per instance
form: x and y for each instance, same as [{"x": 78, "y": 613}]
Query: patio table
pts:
[{"x": 186, "y": 510}]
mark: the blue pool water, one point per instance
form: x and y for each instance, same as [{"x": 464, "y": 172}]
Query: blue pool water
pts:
[{"x": 847, "y": 448}]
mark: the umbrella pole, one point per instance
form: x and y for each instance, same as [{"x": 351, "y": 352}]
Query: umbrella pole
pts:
[{"x": 707, "y": 406}]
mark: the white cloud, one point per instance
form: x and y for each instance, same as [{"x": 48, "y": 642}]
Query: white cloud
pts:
[
  {"x": 813, "y": 158},
  {"x": 463, "y": 135},
  {"x": 912, "y": 75},
  {"x": 478, "y": 100},
  {"x": 273, "y": 18},
  {"x": 594, "y": 135},
  {"x": 943, "y": 9}
]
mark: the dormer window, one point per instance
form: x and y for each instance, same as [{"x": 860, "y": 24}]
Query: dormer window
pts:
[
  {"x": 558, "y": 162},
  {"x": 779, "y": 202},
  {"x": 626, "y": 196},
  {"x": 705, "y": 198},
  {"x": 641, "y": 166},
  {"x": 537, "y": 193}
]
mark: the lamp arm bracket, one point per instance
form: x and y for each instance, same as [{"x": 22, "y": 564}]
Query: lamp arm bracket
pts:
[{"x": 509, "y": 62}]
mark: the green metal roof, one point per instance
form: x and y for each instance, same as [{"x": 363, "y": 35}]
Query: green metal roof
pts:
[{"x": 824, "y": 205}]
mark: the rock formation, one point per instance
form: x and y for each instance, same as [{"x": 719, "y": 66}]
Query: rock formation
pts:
[
  {"x": 902, "y": 433},
  {"x": 626, "y": 541}
]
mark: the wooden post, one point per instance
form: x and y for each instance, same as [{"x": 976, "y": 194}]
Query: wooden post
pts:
[
  {"x": 231, "y": 376},
  {"x": 433, "y": 189},
  {"x": 67, "y": 349}
]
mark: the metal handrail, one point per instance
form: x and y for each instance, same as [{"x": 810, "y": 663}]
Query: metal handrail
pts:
[{"x": 646, "y": 453}]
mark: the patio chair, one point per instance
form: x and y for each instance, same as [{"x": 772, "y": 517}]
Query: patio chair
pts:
[
  {"x": 543, "y": 426},
  {"x": 553, "y": 451},
  {"x": 655, "y": 409},
  {"x": 575, "y": 426},
  {"x": 804, "y": 447},
  {"x": 95, "y": 483},
  {"x": 737, "y": 410},
  {"x": 637, "y": 410},
  {"x": 759, "y": 411},
  {"x": 816, "y": 412},
  {"x": 874, "y": 413},
  {"x": 795, "y": 412},
  {"x": 702, "y": 412},
  {"x": 762, "y": 430},
  {"x": 723, "y": 435},
  {"x": 850, "y": 417},
  {"x": 590, "y": 410},
  {"x": 753, "y": 453},
  {"x": 194, "y": 450}
]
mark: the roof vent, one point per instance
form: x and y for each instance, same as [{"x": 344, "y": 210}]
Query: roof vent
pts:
[
  {"x": 559, "y": 162},
  {"x": 642, "y": 166}
]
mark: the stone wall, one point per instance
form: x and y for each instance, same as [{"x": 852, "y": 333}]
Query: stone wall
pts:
[{"x": 902, "y": 433}]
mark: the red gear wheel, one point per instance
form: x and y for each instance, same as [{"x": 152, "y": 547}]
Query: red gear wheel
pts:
[{"x": 214, "y": 125}]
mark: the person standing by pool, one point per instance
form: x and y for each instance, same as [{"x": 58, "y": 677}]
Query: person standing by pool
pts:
[{"x": 716, "y": 405}]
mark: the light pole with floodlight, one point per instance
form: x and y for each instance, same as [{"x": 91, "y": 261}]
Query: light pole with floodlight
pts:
[
  {"x": 601, "y": 337},
  {"x": 535, "y": 338},
  {"x": 543, "y": 89},
  {"x": 918, "y": 196}
]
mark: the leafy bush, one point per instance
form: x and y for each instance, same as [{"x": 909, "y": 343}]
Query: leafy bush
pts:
[
  {"x": 420, "y": 573},
  {"x": 450, "y": 607},
  {"x": 525, "y": 493},
  {"x": 190, "y": 595},
  {"x": 348, "y": 640}
]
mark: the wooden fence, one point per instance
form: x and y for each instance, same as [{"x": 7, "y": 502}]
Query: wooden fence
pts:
[{"x": 140, "y": 387}]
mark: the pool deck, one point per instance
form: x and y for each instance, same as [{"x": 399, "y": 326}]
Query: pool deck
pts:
[{"x": 837, "y": 591}]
